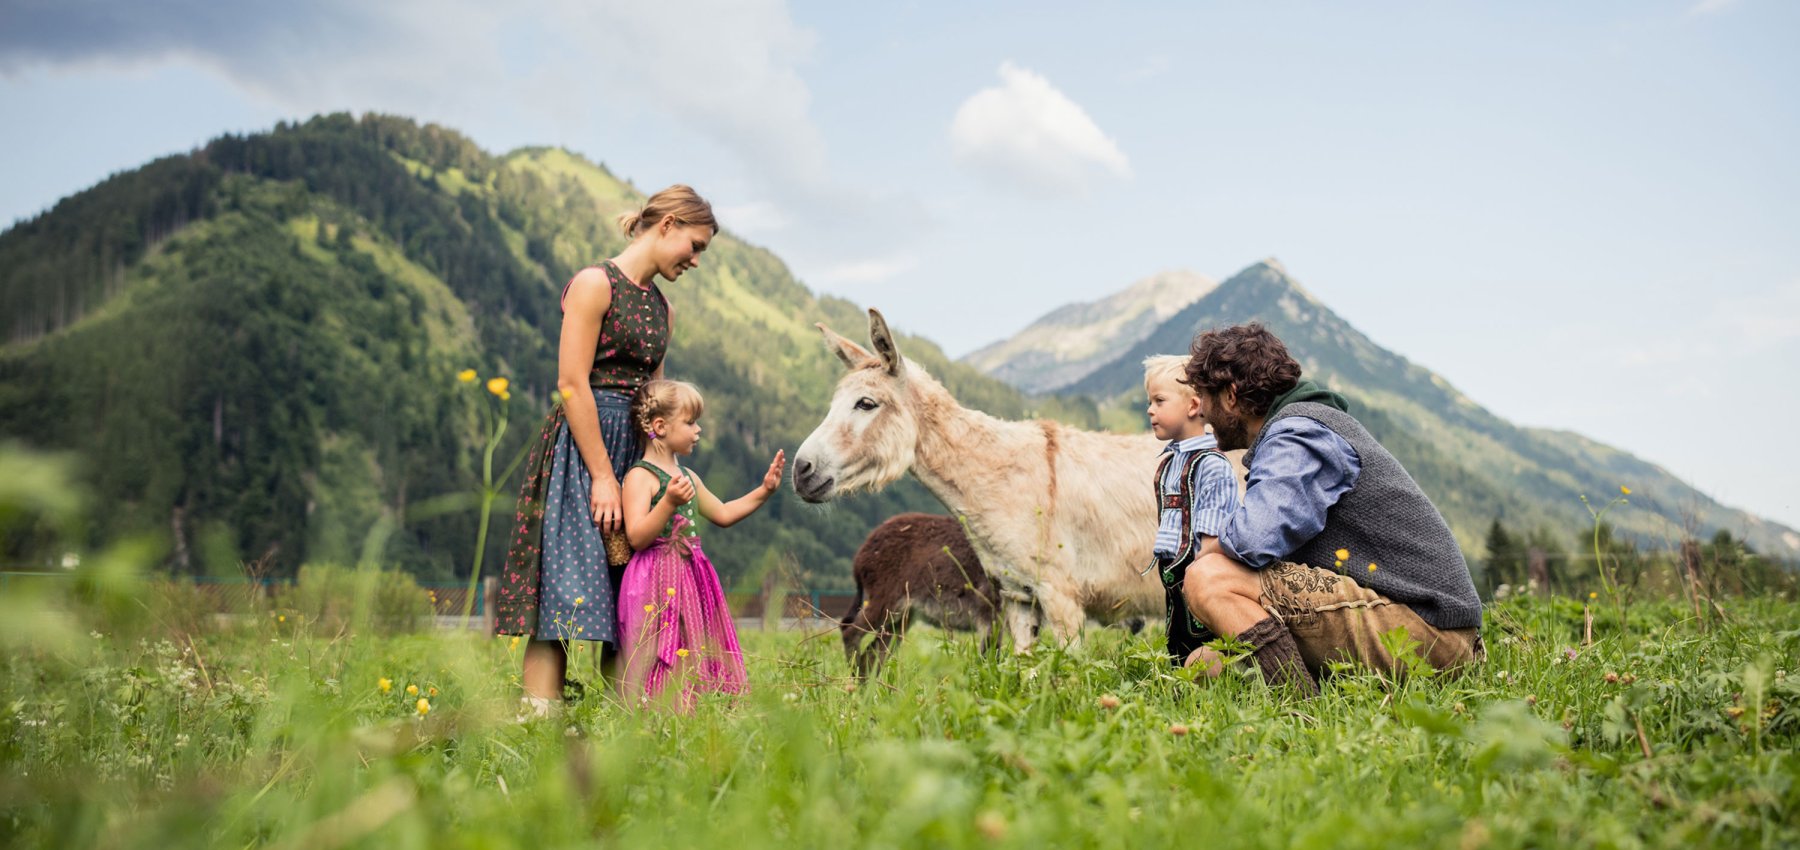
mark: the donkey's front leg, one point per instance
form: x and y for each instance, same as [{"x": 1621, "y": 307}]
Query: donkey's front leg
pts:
[
  {"x": 1019, "y": 609},
  {"x": 1064, "y": 615}
]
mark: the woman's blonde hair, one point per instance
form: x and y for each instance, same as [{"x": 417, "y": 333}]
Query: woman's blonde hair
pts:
[
  {"x": 666, "y": 399},
  {"x": 680, "y": 201}
]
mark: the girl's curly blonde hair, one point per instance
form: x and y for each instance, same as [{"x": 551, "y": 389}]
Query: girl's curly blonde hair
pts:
[{"x": 663, "y": 398}]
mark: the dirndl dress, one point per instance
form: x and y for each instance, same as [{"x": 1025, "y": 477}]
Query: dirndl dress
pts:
[
  {"x": 556, "y": 584},
  {"x": 675, "y": 627}
]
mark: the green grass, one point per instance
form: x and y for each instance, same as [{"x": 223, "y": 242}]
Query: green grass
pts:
[{"x": 272, "y": 735}]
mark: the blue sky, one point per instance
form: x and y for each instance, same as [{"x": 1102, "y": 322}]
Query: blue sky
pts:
[{"x": 1582, "y": 215}]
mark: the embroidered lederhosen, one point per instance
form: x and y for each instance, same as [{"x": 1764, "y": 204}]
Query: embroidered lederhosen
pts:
[{"x": 1186, "y": 634}]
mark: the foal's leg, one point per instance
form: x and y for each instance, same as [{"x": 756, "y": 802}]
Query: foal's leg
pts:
[
  {"x": 887, "y": 639},
  {"x": 855, "y": 627}
]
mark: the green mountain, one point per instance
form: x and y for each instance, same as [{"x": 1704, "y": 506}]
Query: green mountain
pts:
[
  {"x": 1069, "y": 343},
  {"x": 1476, "y": 466},
  {"x": 253, "y": 347}
]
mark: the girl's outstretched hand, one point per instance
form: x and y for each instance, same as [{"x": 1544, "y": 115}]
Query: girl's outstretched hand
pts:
[{"x": 772, "y": 478}]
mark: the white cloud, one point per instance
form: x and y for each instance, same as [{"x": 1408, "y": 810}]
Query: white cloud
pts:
[
  {"x": 1029, "y": 135},
  {"x": 1730, "y": 330},
  {"x": 727, "y": 70},
  {"x": 867, "y": 271},
  {"x": 717, "y": 84},
  {"x": 1154, "y": 65},
  {"x": 1760, "y": 321},
  {"x": 752, "y": 218}
]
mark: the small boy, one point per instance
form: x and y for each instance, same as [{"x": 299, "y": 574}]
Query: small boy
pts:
[{"x": 1196, "y": 492}]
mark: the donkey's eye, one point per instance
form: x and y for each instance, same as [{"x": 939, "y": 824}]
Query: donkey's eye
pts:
[{"x": 866, "y": 403}]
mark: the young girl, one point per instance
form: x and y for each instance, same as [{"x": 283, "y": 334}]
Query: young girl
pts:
[{"x": 672, "y": 616}]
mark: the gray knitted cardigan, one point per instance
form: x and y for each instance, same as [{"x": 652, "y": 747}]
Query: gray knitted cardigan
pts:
[{"x": 1387, "y": 520}]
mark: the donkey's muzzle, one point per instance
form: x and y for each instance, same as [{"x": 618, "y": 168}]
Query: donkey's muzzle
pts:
[{"x": 809, "y": 484}]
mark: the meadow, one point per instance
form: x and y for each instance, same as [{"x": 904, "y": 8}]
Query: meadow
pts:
[{"x": 127, "y": 722}]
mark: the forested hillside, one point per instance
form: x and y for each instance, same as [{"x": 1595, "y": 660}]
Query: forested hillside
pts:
[{"x": 252, "y": 348}]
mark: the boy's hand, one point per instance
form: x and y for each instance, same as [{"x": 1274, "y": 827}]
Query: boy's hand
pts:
[
  {"x": 772, "y": 478},
  {"x": 681, "y": 490}
]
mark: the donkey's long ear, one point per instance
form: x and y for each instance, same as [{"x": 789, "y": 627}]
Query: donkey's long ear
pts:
[
  {"x": 852, "y": 354},
  {"x": 883, "y": 340}
]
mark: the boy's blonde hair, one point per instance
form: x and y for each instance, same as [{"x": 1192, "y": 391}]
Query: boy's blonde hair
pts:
[
  {"x": 664, "y": 398},
  {"x": 1170, "y": 368}
]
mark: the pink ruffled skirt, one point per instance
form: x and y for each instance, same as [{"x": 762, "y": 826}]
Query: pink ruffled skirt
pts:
[{"x": 674, "y": 626}]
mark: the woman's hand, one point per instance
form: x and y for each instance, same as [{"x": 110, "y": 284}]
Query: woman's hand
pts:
[
  {"x": 604, "y": 504},
  {"x": 772, "y": 478},
  {"x": 681, "y": 490}
]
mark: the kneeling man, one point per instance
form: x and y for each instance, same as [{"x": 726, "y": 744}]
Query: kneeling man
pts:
[{"x": 1334, "y": 543}]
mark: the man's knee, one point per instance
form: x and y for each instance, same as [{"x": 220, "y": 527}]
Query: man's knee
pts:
[{"x": 1213, "y": 577}]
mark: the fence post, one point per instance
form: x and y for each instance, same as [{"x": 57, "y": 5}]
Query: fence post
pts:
[{"x": 490, "y": 589}]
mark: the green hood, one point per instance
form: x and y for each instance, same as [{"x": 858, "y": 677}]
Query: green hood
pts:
[{"x": 1308, "y": 391}]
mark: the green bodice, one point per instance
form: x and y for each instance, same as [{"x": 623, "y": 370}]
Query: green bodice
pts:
[{"x": 692, "y": 528}]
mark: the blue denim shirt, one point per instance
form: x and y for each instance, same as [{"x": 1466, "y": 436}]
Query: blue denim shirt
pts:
[
  {"x": 1298, "y": 472},
  {"x": 1215, "y": 494}
]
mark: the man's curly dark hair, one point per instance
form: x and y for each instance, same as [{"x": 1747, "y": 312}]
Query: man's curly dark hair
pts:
[{"x": 1247, "y": 356}]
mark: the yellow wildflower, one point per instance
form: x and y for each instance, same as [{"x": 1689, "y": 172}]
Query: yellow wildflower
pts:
[
  {"x": 431, "y": 693},
  {"x": 515, "y": 643},
  {"x": 681, "y": 653},
  {"x": 1371, "y": 566},
  {"x": 281, "y": 618},
  {"x": 423, "y": 706},
  {"x": 497, "y": 386},
  {"x": 412, "y": 690},
  {"x": 649, "y": 608},
  {"x": 467, "y": 376},
  {"x": 1624, "y": 489},
  {"x": 670, "y": 591},
  {"x": 1593, "y": 595},
  {"x": 385, "y": 684},
  {"x": 580, "y": 599},
  {"x": 1342, "y": 554}
]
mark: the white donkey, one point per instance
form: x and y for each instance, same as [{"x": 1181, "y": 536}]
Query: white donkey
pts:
[{"x": 1061, "y": 517}]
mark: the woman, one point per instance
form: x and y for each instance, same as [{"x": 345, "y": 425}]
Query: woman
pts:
[{"x": 557, "y": 586}]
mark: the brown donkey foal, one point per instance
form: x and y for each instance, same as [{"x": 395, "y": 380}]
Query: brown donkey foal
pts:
[{"x": 916, "y": 565}]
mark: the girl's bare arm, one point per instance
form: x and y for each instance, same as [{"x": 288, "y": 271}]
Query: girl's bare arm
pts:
[
  {"x": 727, "y": 514},
  {"x": 644, "y": 521}
]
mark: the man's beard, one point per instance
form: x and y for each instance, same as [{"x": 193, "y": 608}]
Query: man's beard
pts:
[{"x": 1230, "y": 431}]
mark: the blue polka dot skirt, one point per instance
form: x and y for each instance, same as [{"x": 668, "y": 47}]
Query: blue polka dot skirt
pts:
[{"x": 572, "y": 596}]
